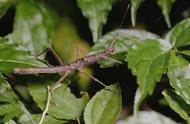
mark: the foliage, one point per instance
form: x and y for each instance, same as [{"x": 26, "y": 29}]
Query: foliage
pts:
[
  {"x": 148, "y": 55},
  {"x": 145, "y": 117},
  {"x": 104, "y": 111}
]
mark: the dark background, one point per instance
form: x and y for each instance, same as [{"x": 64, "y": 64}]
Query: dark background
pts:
[{"x": 149, "y": 17}]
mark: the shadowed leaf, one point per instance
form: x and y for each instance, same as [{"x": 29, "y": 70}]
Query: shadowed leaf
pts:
[
  {"x": 178, "y": 104},
  {"x": 96, "y": 11},
  {"x": 166, "y": 5},
  {"x": 135, "y": 4},
  {"x": 4, "y": 5},
  {"x": 104, "y": 107},
  {"x": 10, "y": 106},
  {"x": 12, "y": 56}
]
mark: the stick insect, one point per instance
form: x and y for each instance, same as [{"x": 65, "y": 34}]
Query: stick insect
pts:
[{"x": 68, "y": 68}]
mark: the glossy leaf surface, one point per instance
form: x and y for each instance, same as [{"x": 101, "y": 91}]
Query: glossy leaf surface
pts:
[
  {"x": 104, "y": 107},
  {"x": 179, "y": 75},
  {"x": 179, "y": 34},
  {"x": 33, "y": 25},
  {"x": 148, "y": 62}
]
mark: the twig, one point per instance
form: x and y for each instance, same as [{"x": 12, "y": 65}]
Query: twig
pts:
[
  {"x": 78, "y": 120},
  {"x": 50, "y": 91},
  {"x": 47, "y": 106}
]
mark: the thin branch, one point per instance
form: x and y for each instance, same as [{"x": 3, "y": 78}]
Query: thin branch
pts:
[
  {"x": 78, "y": 120},
  {"x": 47, "y": 106}
]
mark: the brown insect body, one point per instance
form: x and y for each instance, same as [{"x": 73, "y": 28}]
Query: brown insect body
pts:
[{"x": 72, "y": 66}]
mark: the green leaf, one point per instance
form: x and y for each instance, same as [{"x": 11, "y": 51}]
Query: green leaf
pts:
[
  {"x": 104, "y": 107},
  {"x": 147, "y": 61},
  {"x": 12, "y": 56},
  {"x": 34, "y": 25},
  {"x": 48, "y": 119},
  {"x": 135, "y": 4},
  {"x": 179, "y": 76},
  {"x": 4, "y": 5},
  {"x": 178, "y": 104},
  {"x": 10, "y": 106},
  {"x": 185, "y": 52},
  {"x": 166, "y": 5},
  {"x": 179, "y": 34},
  {"x": 148, "y": 117},
  {"x": 125, "y": 39},
  {"x": 64, "y": 104},
  {"x": 96, "y": 11}
]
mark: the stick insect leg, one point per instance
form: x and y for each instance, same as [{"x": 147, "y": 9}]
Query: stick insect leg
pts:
[
  {"x": 42, "y": 52},
  {"x": 93, "y": 78},
  {"x": 58, "y": 83},
  {"x": 54, "y": 54}
]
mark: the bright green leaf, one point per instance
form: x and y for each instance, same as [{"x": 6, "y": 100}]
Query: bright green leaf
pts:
[
  {"x": 104, "y": 107},
  {"x": 125, "y": 38},
  {"x": 178, "y": 104},
  {"x": 64, "y": 104},
  {"x": 179, "y": 76},
  {"x": 166, "y": 5},
  {"x": 96, "y": 11},
  {"x": 148, "y": 117},
  {"x": 10, "y": 106},
  {"x": 135, "y": 4},
  {"x": 12, "y": 56},
  {"x": 33, "y": 26},
  {"x": 179, "y": 34},
  {"x": 147, "y": 61},
  {"x": 4, "y": 5}
]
